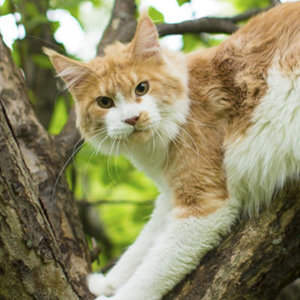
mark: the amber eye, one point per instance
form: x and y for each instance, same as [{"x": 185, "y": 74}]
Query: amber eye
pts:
[
  {"x": 142, "y": 88},
  {"x": 105, "y": 102}
]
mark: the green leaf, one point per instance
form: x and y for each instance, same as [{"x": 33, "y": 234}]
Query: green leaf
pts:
[
  {"x": 16, "y": 53},
  {"x": 54, "y": 26},
  {"x": 42, "y": 61},
  {"x": 243, "y": 5},
  {"x": 156, "y": 15},
  {"x": 59, "y": 117},
  {"x": 31, "y": 9},
  {"x": 191, "y": 42},
  {"x": 181, "y": 2},
  {"x": 5, "y": 8}
]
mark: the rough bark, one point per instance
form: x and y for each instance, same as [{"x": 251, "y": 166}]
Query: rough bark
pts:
[
  {"x": 43, "y": 249},
  {"x": 291, "y": 291},
  {"x": 259, "y": 257},
  {"x": 121, "y": 26}
]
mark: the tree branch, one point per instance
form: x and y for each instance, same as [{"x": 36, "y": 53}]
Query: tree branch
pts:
[
  {"x": 259, "y": 257},
  {"x": 208, "y": 24},
  {"x": 121, "y": 26}
]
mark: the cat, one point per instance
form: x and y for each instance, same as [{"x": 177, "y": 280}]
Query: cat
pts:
[{"x": 217, "y": 130}]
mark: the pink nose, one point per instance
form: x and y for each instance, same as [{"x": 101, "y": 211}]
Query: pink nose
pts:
[{"x": 132, "y": 121}]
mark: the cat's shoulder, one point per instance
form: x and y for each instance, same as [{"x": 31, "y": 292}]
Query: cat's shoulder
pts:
[{"x": 266, "y": 37}]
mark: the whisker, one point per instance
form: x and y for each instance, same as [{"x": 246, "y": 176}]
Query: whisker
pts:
[
  {"x": 108, "y": 161},
  {"x": 65, "y": 165}
]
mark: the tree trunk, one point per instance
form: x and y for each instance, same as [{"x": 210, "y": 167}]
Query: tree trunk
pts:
[{"x": 43, "y": 252}]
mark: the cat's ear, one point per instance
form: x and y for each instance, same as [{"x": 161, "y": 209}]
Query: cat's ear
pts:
[
  {"x": 71, "y": 71},
  {"x": 145, "y": 42}
]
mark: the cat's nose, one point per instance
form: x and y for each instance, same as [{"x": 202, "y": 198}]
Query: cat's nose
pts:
[{"x": 132, "y": 121}]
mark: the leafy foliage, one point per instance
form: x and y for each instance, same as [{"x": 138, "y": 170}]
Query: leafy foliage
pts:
[
  {"x": 155, "y": 15},
  {"x": 181, "y": 2},
  {"x": 242, "y": 5}
]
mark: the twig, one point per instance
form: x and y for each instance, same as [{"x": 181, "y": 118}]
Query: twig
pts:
[
  {"x": 96, "y": 250},
  {"x": 208, "y": 24},
  {"x": 248, "y": 14}
]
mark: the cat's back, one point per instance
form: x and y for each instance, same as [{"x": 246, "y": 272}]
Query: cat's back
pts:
[
  {"x": 233, "y": 77},
  {"x": 270, "y": 36},
  {"x": 263, "y": 141}
]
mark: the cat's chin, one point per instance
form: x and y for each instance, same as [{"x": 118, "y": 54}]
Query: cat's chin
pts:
[
  {"x": 137, "y": 136},
  {"x": 140, "y": 136}
]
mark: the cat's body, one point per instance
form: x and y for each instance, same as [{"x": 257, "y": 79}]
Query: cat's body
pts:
[{"x": 218, "y": 131}]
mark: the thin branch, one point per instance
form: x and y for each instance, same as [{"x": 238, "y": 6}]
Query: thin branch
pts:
[
  {"x": 95, "y": 251},
  {"x": 208, "y": 24},
  {"x": 248, "y": 14}
]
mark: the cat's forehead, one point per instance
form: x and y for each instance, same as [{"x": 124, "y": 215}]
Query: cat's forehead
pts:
[
  {"x": 117, "y": 58},
  {"x": 119, "y": 72},
  {"x": 114, "y": 76}
]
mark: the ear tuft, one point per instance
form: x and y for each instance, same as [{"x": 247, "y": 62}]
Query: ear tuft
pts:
[
  {"x": 71, "y": 71},
  {"x": 49, "y": 51},
  {"x": 145, "y": 41}
]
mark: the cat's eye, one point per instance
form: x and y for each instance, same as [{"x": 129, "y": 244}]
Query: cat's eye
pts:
[
  {"x": 105, "y": 102},
  {"x": 142, "y": 88}
]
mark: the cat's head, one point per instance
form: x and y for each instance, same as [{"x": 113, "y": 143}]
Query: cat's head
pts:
[{"x": 135, "y": 93}]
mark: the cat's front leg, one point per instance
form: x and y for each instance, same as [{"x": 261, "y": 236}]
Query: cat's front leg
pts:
[
  {"x": 175, "y": 253},
  {"x": 129, "y": 261}
]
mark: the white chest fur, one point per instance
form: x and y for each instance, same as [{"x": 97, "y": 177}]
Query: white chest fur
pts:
[{"x": 258, "y": 163}]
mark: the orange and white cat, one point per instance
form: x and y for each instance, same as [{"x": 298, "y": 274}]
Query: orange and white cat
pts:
[{"x": 217, "y": 130}]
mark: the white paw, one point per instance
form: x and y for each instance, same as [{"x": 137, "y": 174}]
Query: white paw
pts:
[
  {"x": 125, "y": 296},
  {"x": 100, "y": 286}
]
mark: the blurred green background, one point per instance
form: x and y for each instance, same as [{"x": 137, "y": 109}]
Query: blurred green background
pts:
[{"x": 114, "y": 199}]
